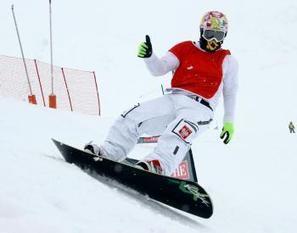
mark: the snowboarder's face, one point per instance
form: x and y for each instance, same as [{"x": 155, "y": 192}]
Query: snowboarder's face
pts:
[{"x": 211, "y": 40}]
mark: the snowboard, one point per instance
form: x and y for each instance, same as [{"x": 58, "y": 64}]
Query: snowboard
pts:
[{"x": 184, "y": 195}]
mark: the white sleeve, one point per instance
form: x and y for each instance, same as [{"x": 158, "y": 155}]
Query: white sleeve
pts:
[
  {"x": 230, "y": 86},
  {"x": 162, "y": 66}
]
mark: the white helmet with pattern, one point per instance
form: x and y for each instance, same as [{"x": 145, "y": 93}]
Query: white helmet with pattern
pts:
[{"x": 214, "y": 20}]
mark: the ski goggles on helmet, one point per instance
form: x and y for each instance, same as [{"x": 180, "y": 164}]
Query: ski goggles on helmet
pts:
[{"x": 212, "y": 34}]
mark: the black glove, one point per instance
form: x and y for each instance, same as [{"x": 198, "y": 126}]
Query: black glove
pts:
[{"x": 145, "y": 48}]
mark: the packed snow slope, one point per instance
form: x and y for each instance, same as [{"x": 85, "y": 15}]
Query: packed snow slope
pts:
[{"x": 252, "y": 180}]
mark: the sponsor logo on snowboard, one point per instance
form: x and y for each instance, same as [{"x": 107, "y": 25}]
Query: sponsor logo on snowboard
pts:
[{"x": 194, "y": 190}]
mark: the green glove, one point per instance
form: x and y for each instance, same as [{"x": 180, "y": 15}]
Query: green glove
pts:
[
  {"x": 145, "y": 48},
  {"x": 227, "y": 132}
]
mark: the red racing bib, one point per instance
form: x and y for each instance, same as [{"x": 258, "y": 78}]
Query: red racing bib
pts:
[{"x": 199, "y": 72}]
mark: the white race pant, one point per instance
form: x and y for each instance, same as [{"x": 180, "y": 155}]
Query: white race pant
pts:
[{"x": 178, "y": 118}]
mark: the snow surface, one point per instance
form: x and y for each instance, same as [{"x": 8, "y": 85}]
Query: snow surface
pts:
[{"x": 252, "y": 181}]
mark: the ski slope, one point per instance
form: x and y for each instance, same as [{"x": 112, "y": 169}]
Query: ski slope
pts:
[
  {"x": 252, "y": 181},
  {"x": 252, "y": 184}
]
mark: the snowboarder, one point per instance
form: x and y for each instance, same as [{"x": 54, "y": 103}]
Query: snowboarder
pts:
[
  {"x": 291, "y": 127},
  {"x": 201, "y": 71}
]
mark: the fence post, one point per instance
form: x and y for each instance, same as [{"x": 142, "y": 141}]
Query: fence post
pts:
[
  {"x": 97, "y": 93},
  {"x": 40, "y": 85},
  {"x": 69, "y": 98}
]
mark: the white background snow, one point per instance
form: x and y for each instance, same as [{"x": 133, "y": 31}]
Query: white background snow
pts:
[{"x": 252, "y": 181}]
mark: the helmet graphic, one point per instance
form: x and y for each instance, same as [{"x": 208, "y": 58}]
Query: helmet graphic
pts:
[{"x": 214, "y": 20}]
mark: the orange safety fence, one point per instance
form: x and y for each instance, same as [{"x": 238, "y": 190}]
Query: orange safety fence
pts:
[{"x": 74, "y": 90}]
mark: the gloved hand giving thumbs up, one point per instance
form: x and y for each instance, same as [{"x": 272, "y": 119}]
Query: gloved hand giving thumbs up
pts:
[{"x": 145, "y": 49}]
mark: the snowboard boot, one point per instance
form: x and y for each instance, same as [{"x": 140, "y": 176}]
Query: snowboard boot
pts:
[
  {"x": 153, "y": 166},
  {"x": 94, "y": 149}
]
